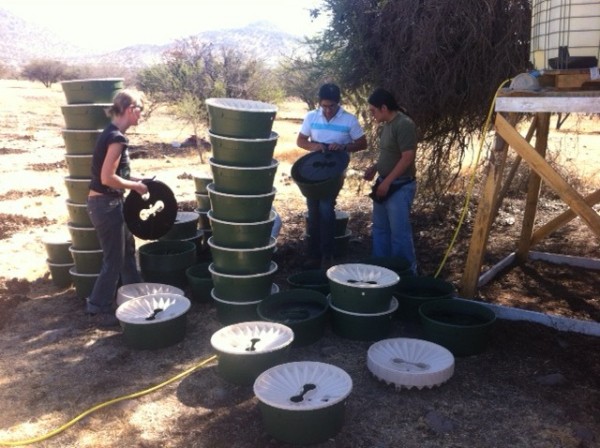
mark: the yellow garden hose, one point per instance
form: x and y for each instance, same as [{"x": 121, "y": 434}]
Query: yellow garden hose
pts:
[
  {"x": 471, "y": 180},
  {"x": 106, "y": 403}
]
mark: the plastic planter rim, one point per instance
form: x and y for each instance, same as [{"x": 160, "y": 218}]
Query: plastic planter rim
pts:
[
  {"x": 272, "y": 269},
  {"x": 274, "y": 136},
  {"x": 210, "y": 215},
  {"x": 393, "y": 307},
  {"x": 211, "y": 188},
  {"x": 230, "y": 104},
  {"x": 271, "y": 245},
  {"x": 477, "y": 305}
]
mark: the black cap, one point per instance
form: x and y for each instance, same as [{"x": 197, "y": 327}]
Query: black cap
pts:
[{"x": 330, "y": 92}]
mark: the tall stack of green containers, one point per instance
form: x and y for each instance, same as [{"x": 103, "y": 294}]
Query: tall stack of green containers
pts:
[
  {"x": 241, "y": 198},
  {"x": 85, "y": 118}
]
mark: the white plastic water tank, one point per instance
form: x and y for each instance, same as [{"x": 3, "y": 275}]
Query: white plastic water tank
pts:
[{"x": 573, "y": 25}]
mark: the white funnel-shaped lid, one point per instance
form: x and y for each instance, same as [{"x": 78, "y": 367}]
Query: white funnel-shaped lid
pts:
[
  {"x": 407, "y": 362},
  {"x": 362, "y": 275},
  {"x": 305, "y": 385},
  {"x": 252, "y": 338},
  {"x": 153, "y": 309}
]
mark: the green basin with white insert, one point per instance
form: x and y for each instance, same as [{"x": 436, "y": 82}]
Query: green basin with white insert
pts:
[{"x": 87, "y": 261}]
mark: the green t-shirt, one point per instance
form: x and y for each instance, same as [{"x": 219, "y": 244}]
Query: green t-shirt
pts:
[{"x": 397, "y": 136}]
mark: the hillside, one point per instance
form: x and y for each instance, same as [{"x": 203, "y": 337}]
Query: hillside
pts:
[{"x": 20, "y": 42}]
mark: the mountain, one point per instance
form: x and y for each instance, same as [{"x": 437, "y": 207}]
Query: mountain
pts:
[{"x": 20, "y": 42}]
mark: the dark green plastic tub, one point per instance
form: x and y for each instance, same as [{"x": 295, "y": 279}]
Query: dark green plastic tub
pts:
[
  {"x": 303, "y": 310},
  {"x": 462, "y": 326},
  {"x": 412, "y": 292},
  {"x": 166, "y": 261},
  {"x": 243, "y": 151},
  {"x": 100, "y": 90},
  {"x": 244, "y": 179},
  {"x": 240, "y": 207}
]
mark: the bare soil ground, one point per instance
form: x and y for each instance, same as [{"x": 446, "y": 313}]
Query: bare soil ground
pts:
[{"x": 534, "y": 386}]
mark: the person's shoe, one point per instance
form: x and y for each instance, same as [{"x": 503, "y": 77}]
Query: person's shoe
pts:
[
  {"x": 311, "y": 263},
  {"x": 104, "y": 320}
]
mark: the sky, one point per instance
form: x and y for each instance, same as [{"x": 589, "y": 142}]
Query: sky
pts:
[{"x": 115, "y": 24}]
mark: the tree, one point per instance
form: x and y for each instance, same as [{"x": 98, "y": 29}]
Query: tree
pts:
[
  {"x": 193, "y": 71},
  {"x": 46, "y": 71},
  {"x": 442, "y": 59}
]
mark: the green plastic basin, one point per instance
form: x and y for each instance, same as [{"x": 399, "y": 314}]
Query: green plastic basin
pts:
[
  {"x": 86, "y": 116},
  {"x": 303, "y": 310},
  {"x": 78, "y": 214},
  {"x": 57, "y": 249},
  {"x": 154, "y": 321},
  {"x": 83, "y": 238},
  {"x": 254, "y": 260},
  {"x": 244, "y": 179},
  {"x": 184, "y": 227},
  {"x": 79, "y": 165},
  {"x": 240, "y": 208},
  {"x": 87, "y": 261},
  {"x": 243, "y": 288},
  {"x": 363, "y": 326},
  {"x": 303, "y": 403},
  {"x": 80, "y": 142},
  {"x": 247, "y": 349},
  {"x": 77, "y": 189},
  {"x": 100, "y": 90},
  {"x": 200, "y": 281},
  {"x": 238, "y": 235},
  {"x": 59, "y": 273},
  {"x": 166, "y": 261},
  {"x": 361, "y": 288},
  {"x": 239, "y": 118},
  {"x": 84, "y": 283},
  {"x": 462, "y": 326},
  {"x": 243, "y": 151},
  {"x": 412, "y": 292},
  {"x": 314, "y": 279},
  {"x": 201, "y": 181}
]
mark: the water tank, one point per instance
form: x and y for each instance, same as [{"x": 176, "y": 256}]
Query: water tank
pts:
[{"x": 565, "y": 34}]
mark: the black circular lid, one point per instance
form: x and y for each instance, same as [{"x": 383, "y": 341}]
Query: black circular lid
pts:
[
  {"x": 150, "y": 217},
  {"x": 319, "y": 166}
]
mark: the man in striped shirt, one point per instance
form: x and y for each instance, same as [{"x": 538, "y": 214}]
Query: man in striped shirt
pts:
[{"x": 330, "y": 128}]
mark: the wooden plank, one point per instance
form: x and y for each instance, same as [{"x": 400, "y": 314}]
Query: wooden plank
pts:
[
  {"x": 548, "y": 174},
  {"x": 530, "y": 104},
  {"x": 571, "y": 81},
  {"x": 562, "y": 219},
  {"x": 533, "y": 188},
  {"x": 486, "y": 211}
]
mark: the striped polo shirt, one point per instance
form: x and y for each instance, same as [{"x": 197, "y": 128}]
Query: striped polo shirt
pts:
[{"x": 343, "y": 128}]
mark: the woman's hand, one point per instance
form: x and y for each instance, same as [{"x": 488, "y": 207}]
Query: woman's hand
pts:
[{"x": 140, "y": 188}]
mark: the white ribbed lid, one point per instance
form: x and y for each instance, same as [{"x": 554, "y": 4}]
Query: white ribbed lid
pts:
[
  {"x": 304, "y": 385},
  {"x": 362, "y": 275},
  {"x": 407, "y": 362},
  {"x": 252, "y": 338},
  {"x": 135, "y": 290},
  {"x": 241, "y": 105},
  {"x": 153, "y": 308}
]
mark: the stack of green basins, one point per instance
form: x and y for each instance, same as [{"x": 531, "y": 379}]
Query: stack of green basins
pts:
[
  {"x": 85, "y": 118},
  {"x": 241, "y": 198}
]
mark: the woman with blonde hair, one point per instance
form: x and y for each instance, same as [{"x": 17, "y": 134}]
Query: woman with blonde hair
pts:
[{"x": 110, "y": 177}]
